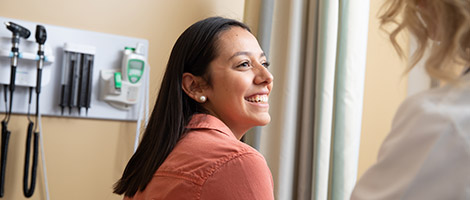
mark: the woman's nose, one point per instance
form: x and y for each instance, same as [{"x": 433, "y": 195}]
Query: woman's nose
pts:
[{"x": 263, "y": 76}]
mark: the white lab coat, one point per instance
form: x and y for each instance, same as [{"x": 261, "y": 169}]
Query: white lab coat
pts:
[{"x": 427, "y": 153}]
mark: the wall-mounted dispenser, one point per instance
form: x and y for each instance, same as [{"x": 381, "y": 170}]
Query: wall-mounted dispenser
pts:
[{"x": 121, "y": 88}]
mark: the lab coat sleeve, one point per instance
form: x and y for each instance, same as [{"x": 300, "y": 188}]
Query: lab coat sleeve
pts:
[{"x": 416, "y": 128}]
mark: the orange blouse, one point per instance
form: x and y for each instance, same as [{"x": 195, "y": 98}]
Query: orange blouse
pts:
[{"x": 209, "y": 162}]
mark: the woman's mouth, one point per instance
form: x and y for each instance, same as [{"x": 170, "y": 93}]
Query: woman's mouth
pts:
[{"x": 257, "y": 98}]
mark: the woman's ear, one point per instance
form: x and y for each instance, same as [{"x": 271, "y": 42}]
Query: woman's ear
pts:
[{"x": 193, "y": 86}]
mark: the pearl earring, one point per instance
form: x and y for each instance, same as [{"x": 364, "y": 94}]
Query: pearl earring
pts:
[{"x": 203, "y": 99}]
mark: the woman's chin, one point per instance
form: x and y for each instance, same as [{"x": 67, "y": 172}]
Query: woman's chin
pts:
[{"x": 264, "y": 120}]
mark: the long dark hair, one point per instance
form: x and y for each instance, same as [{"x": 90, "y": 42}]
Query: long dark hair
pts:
[{"x": 192, "y": 52}]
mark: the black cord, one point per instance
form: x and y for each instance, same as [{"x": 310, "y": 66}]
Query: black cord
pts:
[
  {"x": 3, "y": 162},
  {"x": 29, "y": 104},
  {"x": 5, "y": 140},
  {"x": 10, "y": 108},
  {"x": 5, "y": 88},
  {"x": 28, "y": 190},
  {"x": 36, "y": 127}
]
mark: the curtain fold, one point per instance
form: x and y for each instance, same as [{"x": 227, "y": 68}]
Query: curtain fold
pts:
[
  {"x": 287, "y": 49},
  {"x": 317, "y": 50},
  {"x": 328, "y": 13},
  {"x": 303, "y": 173},
  {"x": 349, "y": 92}
]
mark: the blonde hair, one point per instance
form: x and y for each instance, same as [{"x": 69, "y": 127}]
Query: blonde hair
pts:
[{"x": 448, "y": 42}]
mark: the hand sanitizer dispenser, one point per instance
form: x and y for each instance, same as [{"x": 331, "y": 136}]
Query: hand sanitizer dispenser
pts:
[
  {"x": 121, "y": 88},
  {"x": 133, "y": 63}
]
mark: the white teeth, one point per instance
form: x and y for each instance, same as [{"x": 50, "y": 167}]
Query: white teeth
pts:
[{"x": 258, "y": 99}]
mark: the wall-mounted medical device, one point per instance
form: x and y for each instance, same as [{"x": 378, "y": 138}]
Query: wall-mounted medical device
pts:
[
  {"x": 30, "y": 77},
  {"x": 121, "y": 87},
  {"x": 71, "y": 74},
  {"x": 26, "y": 63}
]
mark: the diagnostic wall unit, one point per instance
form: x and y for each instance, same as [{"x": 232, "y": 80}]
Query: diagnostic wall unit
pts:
[{"x": 108, "y": 54}]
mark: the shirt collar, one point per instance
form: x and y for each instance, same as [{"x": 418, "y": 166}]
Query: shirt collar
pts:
[{"x": 205, "y": 121}]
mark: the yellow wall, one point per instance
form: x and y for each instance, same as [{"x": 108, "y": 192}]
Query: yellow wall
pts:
[
  {"x": 85, "y": 157},
  {"x": 385, "y": 89}
]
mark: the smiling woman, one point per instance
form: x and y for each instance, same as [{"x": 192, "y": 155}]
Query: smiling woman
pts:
[
  {"x": 215, "y": 88},
  {"x": 240, "y": 82}
]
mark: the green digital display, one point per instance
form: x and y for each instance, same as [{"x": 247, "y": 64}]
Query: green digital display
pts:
[{"x": 135, "y": 69}]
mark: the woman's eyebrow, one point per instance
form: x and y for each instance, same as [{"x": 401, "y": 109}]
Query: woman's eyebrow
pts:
[{"x": 245, "y": 53}]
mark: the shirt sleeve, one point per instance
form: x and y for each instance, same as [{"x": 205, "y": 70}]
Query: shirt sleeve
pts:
[
  {"x": 244, "y": 177},
  {"x": 412, "y": 155}
]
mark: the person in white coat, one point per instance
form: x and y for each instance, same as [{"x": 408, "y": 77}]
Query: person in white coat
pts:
[{"x": 427, "y": 152}]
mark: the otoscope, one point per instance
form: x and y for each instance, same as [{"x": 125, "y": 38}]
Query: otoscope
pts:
[
  {"x": 17, "y": 31},
  {"x": 41, "y": 37}
]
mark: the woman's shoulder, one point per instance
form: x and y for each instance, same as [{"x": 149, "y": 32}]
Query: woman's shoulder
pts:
[
  {"x": 426, "y": 117},
  {"x": 218, "y": 147},
  {"x": 246, "y": 176},
  {"x": 448, "y": 101},
  {"x": 427, "y": 129},
  {"x": 202, "y": 151}
]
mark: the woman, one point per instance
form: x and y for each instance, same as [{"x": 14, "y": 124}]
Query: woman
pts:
[
  {"x": 427, "y": 153},
  {"x": 215, "y": 88}
]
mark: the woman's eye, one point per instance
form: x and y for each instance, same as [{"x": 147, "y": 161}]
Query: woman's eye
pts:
[
  {"x": 244, "y": 64},
  {"x": 266, "y": 64}
]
